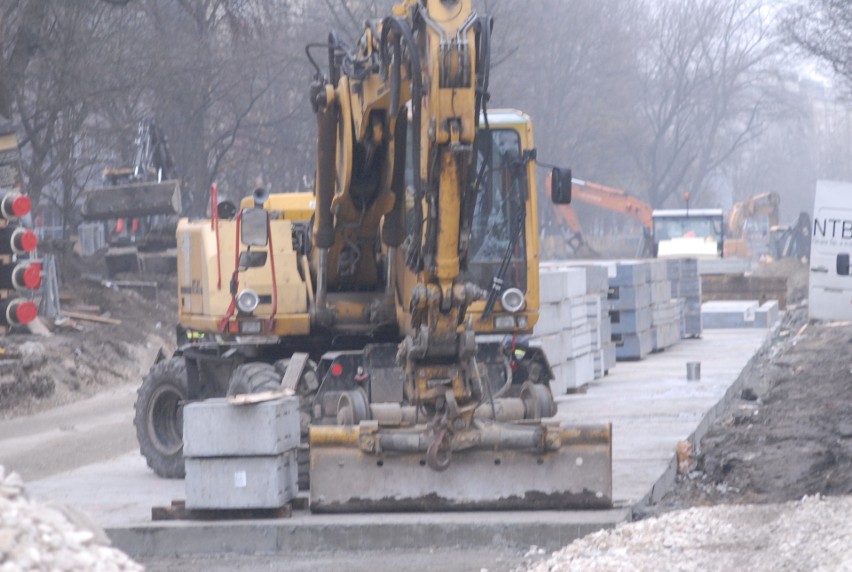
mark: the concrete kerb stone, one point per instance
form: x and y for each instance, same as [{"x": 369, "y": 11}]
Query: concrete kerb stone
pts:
[{"x": 550, "y": 530}]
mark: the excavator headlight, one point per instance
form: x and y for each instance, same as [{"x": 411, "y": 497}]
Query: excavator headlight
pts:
[
  {"x": 247, "y": 301},
  {"x": 504, "y": 322},
  {"x": 522, "y": 322},
  {"x": 513, "y": 300}
]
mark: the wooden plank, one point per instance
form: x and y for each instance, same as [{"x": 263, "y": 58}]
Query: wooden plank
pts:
[
  {"x": 86, "y": 308},
  {"x": 92, "y": 318},
  {"x": 178, "y": 511},
  {"x": 252, "y": 398}
]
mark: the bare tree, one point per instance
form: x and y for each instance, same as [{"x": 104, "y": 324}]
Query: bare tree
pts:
[
  {"x": 21, "y": 31},
  {"x": 55, "y": 97},
  {"x": 823, "y": 28},
  {"x": 710, "y": 80}
]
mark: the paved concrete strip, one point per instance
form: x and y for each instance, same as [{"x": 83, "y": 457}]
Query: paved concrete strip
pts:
[
  {"x": 650, "y": 403},
  {"x": 69, "y": 436}
]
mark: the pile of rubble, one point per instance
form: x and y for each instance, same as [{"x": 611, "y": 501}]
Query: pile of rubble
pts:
[
  {"x": 34, "y": 536},
  {"x": 812, "y": 534}
]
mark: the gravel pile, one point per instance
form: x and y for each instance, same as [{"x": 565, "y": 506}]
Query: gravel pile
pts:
[
  {"x": 34, "y": 536},
  {"x": 812, "y": 534}
]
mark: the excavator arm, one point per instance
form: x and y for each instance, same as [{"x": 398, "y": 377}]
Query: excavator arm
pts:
[
  {"x": 429, "y": 56},
  {"x": 151, "y": 187},
  {"x": 762, "y": 204},
  {"x": 608, "y": 198},
  {"x": 615, "y": 200}
]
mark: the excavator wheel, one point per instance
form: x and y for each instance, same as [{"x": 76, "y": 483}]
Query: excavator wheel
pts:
[
  {"x": 306, "y": 389},
  {"x": 538, "y": 401},
  {"x": 159, "y": 417},
  {"x": 353, "y": 407},
  {"x": 253, "y": 377}
]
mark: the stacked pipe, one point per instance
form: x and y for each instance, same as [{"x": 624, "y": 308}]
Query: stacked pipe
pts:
[{"x": 17, "y": 274}]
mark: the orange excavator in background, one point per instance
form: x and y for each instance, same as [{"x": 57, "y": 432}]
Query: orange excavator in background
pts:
[
  {"x": 608, "y": 198},
  {"x": 696, "y": 233}
]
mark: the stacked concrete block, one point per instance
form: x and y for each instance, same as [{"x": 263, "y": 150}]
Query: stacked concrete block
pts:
[
  {"x": 686, "y": 284},
  {"x": 630, "y": 309},
  {"x": 603, "y": 348},
  {"x": 666, "y": 320},
  {"x": 644, "y": 315},
  {"x": 571, "y": 323},
  {"x": 665, "y": 312},
  {"x": 241, "y": 456}
]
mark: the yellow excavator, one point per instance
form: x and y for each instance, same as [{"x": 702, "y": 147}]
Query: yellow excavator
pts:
[
  {"x": 391, "y": 298},
  {"x": 736, "y": 241}
]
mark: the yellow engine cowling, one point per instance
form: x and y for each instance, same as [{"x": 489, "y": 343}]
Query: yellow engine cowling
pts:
[{"x": 205, "y": 269}]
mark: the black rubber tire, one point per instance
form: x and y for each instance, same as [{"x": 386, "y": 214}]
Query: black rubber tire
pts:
[
  {"x": 303, "y": 456},
  {"x": 306, "y": 389},
  {"x": 253, "y": 377},
  {"x": 159, "y": 417}
]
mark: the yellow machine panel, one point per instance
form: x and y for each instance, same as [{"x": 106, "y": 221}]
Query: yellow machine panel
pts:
[
  {"x": 204, "y": 290},
  {"x": 290, "y": 206}
]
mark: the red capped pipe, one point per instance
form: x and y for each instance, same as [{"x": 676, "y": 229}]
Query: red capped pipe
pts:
[
  {"x": 17, "y": 312},
  {"x": 17, "y": 240},
  {"x": 22, "y": 276},
  {"x": 15, "y": 205}
]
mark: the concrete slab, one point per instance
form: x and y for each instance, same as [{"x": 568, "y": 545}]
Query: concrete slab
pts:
[
  {"x": 650, "y": 404},
  {"x": 729, "y": 313}
]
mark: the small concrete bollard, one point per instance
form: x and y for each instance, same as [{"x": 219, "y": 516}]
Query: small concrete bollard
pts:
[{"x": 693, "y": 370}]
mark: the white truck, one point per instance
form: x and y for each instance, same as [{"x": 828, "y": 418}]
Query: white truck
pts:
[
  {"x": 693, "y": 233},
  {"x": 830, "y": 290}
]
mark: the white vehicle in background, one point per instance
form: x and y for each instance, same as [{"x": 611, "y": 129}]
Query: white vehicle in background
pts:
[
  {"x": 693, "y": 233},
  {"x": 830, "y": 290}
]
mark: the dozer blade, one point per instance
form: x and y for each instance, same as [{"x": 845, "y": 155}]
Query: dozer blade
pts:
[
  {"x": 346, "y": 479},
  {"x": 133, "y": 200}
]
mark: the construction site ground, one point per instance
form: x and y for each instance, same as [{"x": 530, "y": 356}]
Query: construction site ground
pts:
[{"x": 776, "y": 433}]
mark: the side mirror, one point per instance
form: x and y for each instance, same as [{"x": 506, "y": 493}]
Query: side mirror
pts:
[
  {"x": 843, "y": 265},
  {"x": 254, "y": 230},
  {"x": 560, "y": 186},
  {"x": 251, "y": 259},
  {"x": 226, "y": 210}
]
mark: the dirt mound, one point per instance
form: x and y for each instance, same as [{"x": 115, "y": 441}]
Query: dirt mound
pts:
[
  {"x": 796, "y": 272},
  {"x": 82, "y": 357},
  {"x": 790, "y": 434}
]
